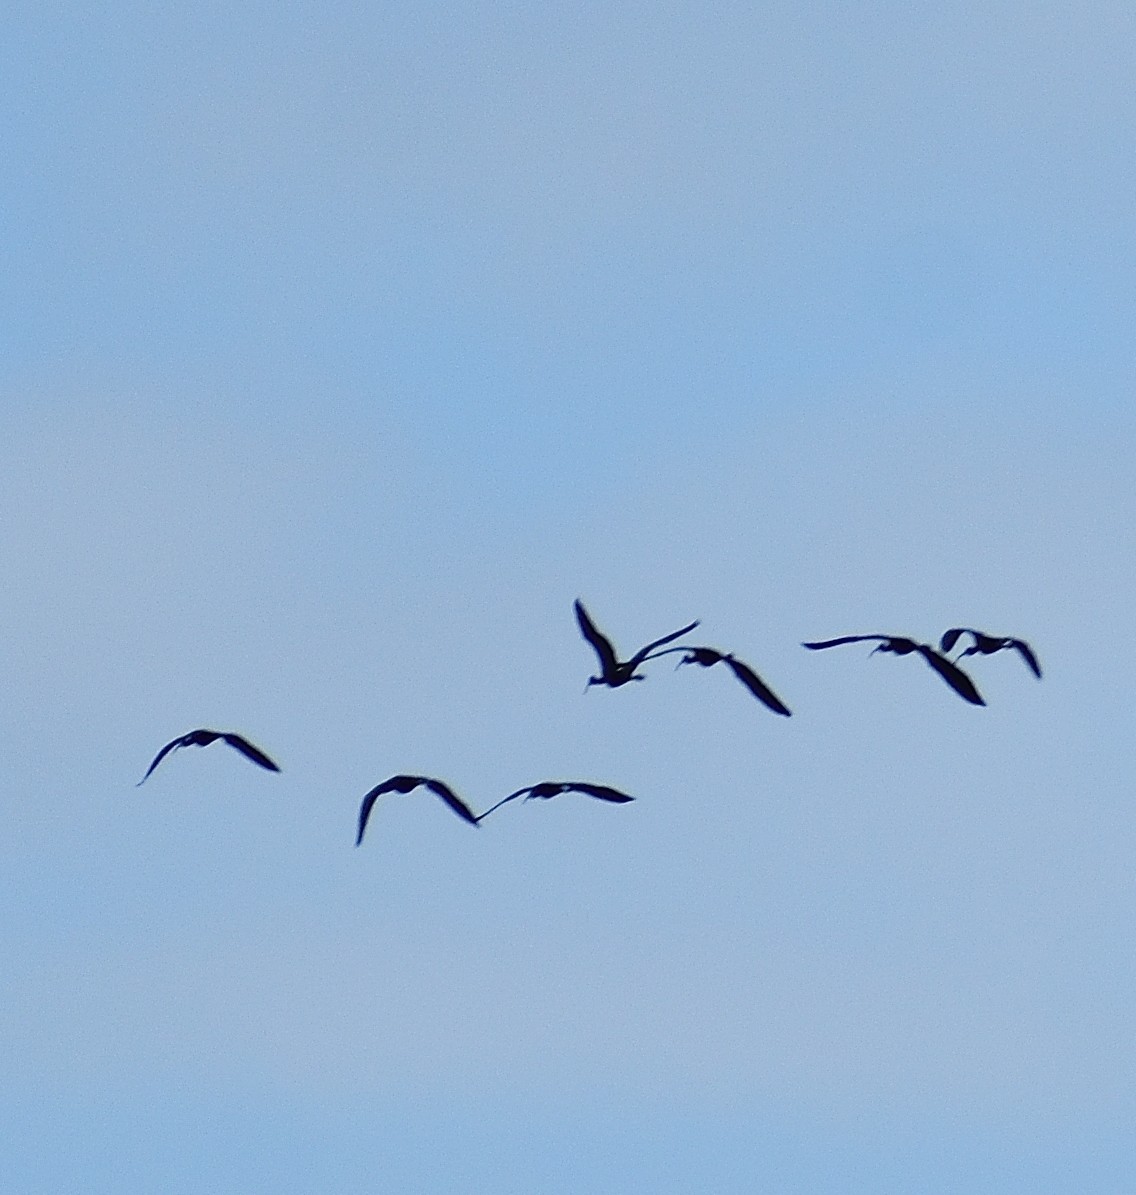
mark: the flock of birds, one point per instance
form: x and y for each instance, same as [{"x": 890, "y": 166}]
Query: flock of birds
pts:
[{"x": 615, "y": 672}]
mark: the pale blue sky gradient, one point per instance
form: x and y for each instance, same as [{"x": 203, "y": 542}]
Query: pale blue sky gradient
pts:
[{"x": 341, "y": 352}]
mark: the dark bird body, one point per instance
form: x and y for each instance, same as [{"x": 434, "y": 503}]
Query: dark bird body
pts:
[
  {"x": 987, "y": 645},
  {"x": 405, "y": 784},
  {"x": 899, "y": 646},
  {"x": 553, "y": 788},
  {"x": 202, "y": 738},
  {"x": 707, "y": 657},
  {"x": 613, "y": 671}
]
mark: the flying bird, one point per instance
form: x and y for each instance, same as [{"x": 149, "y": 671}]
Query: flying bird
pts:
[
  {"x": 202, "y": 738},
  {"x": 613, "y": 671},
  {"x": 553, "y": 788},
  {"x": 707, "y": 657},
  {"x": 987, "y": 645},
  {"x": 405, "y": 784},
  {"x": 897, "y": 645}
]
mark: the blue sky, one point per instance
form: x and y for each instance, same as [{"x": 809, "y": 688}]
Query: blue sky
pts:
[{"x": 343, "y": 349}]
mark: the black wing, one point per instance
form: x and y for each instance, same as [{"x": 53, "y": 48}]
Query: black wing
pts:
[
  {"x": 600, "y": 644},
  {"x": 544, "y": 789},
  {"x": 453, "y": 800},
  {"x": 173, "y": 745},
  {"x": 643, "y": 652},
  {"x": 505, "y": 800},
  {"x": 757, "y": 686},
  {"x": 600, "y": 791},
  {"x": 395, "y": 783},
  {"x": 1026, "y": 652},
  {"x": 845, "y": 639},
  {"x": 254, "y": 753},
  {"x": 952, "y": 674}
]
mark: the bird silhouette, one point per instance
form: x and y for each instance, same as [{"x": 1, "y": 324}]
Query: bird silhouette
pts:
[
  {"x": 987, "y": 645},
  {"x": 897, "y": 645},
  {"x": 405, "y": 784},
  {"x": 553, "y": 788},
  {"x": 202, "y": 738},
  {"x": 613, "y": 671},
  {"x": 707, "y": 657}
]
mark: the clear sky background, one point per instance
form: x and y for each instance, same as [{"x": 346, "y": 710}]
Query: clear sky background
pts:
[{"x": 343, "y": 346}]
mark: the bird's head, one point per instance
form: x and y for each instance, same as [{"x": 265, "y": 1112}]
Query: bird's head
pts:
[
  {"x": 542, "y": 792},
  {"x": 700, "y": 655},
  {"x": 898, "y": 647}
]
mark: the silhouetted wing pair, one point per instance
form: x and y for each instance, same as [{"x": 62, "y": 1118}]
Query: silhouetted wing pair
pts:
[
  {"x": 202, "y": 738},
  {"x": 614, "y": 673},
  {"x": 987, "y": 645},
  {"x": 898, "y": 645},
  {"x": 553, "y": 788},
  {"x": 543, "y": 791},
  {"x": 405, "y": 784}
]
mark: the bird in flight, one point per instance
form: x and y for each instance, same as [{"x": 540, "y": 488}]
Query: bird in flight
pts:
[
  {"x": 707, "y": 657},
  {"x": 405, "y": 784},
  {"x": 987, "y": 645},
  {"x": 897, "y": 645},
  {"x": 553, "y": 788},
  {"x": 202, "y": 738},
  {"x": 613, "y": 671}
]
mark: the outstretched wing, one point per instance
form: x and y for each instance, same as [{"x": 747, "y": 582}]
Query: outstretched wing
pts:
[
  {"x": 553, "y": 788},
  {"x": 505, "y": 800},
  {"x": 395, "y": 783},
  {"x": 1026, "y": 652},
  {"x": 173, "y": 745},
  {"x": 757, "y": 686},
  {"x": 643, "y": 652},
  {"x": 952, "y": 674},
  {"x": 453, "y": 800},
  {"x": 600, "y": 644},
  {"x": 247, "y": 749},
  {"x": 600, "y": 791},
  {"x": 844, "y": 639}
]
